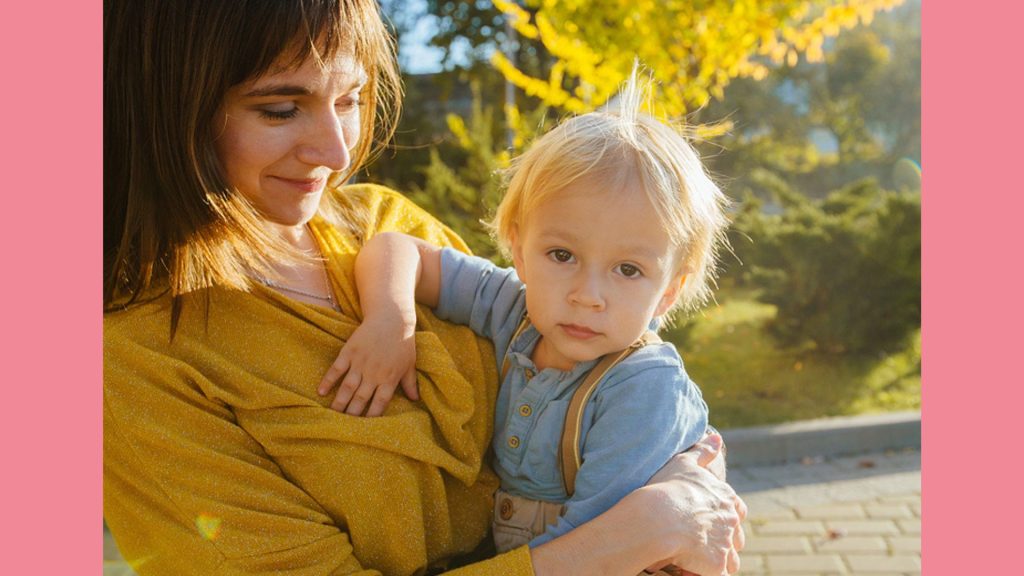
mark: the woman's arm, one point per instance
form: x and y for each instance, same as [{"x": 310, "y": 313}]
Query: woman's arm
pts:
[{"x": 684, "y": 516}]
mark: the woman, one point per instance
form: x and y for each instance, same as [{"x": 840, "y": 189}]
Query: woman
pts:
[{"x": 229, "y": 246}]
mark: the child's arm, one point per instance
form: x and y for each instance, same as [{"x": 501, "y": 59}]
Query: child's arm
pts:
[{"x": 393, "y": 271}]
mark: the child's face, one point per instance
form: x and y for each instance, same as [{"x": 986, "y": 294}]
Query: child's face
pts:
[{"x": 598, "y": 267}]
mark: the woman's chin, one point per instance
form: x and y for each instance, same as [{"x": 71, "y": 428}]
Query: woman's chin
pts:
[{"x": 299, "y": 215}]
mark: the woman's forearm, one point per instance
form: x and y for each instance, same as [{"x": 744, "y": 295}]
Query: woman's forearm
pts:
[{"x": 621, "y": 542}]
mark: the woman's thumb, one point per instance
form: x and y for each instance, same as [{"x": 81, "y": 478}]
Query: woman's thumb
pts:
[{"x": 708, "y": 448}]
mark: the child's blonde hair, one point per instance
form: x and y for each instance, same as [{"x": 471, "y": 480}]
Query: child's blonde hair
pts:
[{"x": 614, "y": 147}]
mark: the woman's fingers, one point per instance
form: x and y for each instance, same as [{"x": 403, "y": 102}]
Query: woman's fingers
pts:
[
  {"x": 739, "y": 539},
  {"x": 741, "y": 508},
  {"x": 733, "y": 565}
]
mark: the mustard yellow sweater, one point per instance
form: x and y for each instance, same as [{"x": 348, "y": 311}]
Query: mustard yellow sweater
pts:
[{"x": 220, "y": 457}]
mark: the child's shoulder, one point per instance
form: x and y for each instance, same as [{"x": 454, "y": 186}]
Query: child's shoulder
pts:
[
  {"x": 652, "y": 381},
  {"x": 656, "y": 355},
  {"x": 657, "y": 364}
]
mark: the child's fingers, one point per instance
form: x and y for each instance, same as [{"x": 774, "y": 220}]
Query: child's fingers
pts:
[
  {"x": 336, "y": 371},
  {"x": 409, "y": 385},
  {"x": 361, "y": 398},
  {"x": 347, "y": 389},
  {"x": 381, "y": 399}
]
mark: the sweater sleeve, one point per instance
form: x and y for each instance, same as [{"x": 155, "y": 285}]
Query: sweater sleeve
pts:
[{"x": 186, "y": 490}]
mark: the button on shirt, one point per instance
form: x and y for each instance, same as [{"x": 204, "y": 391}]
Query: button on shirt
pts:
[{"x": 643, "y": 412}]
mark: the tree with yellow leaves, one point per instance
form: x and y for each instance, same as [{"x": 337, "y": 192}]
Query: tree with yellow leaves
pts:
[{"x": 693, "y": 48}]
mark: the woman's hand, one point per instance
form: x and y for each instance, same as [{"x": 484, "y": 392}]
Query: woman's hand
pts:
[
  {"x": 380, "y": 355},
  {"x": 702, "y": 512}
]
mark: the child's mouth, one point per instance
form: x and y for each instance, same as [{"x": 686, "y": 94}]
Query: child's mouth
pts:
[{"x": 577, "y": 331}]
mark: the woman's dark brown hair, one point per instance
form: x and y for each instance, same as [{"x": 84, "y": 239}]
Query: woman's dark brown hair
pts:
[{"x": 170, "y": 219}]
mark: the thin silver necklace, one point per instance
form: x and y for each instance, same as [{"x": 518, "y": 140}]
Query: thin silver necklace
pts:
[
  {"x": 271, "y": 284},
  {"x": 327, "y": 282}
]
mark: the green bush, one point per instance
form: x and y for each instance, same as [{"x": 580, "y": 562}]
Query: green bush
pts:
[{"x": 844, "y": 272}]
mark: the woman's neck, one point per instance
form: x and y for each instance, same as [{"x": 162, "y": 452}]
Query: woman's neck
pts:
[
  {"x": 306, "y": 281},
  {"x": 298, "y": 237}
]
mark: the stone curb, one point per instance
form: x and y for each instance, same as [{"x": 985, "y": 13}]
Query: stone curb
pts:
[{"x": 825, "y": 437}]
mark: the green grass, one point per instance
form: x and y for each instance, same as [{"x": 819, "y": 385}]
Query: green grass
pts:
[{"x": 748, "y": 380}]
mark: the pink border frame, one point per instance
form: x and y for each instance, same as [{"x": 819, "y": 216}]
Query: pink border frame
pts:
[
  {"x": 52, "y": 431},
  {"x": 52, "y": 294}
]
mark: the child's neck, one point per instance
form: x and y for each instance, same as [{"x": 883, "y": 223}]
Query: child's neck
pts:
[{"x": 543, "y": 357}]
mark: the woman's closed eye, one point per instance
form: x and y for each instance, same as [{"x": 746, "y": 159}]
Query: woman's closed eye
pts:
[
  {"x": 348, "y": 103},
  {"x": 279, "y": 113},
  {"x": 287, "y": 111},
  {"x": 561, "y": 255}
]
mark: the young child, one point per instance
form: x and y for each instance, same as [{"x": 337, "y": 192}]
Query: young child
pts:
[{"x": 612, "y": 223}]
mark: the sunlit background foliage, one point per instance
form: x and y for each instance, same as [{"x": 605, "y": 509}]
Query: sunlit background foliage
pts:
[{"x": 808, "y": 115}]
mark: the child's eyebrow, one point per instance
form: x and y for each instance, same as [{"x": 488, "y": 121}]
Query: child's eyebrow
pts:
[
  {"x": 558, "y": 235},
  {"x": 641, "y": 253}
]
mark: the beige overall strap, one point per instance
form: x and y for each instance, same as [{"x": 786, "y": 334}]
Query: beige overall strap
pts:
[
  {"x": 505, "y": 363},
  {"x": 569, "y": 447}
]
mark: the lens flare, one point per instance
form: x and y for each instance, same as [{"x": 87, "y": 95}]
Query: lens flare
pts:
[
  {"x": 208, "y": 526},
  {"x": 906, "y": 174}
]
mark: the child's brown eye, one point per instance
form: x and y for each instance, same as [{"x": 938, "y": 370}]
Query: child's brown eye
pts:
[
  {"x": 629, "y": 270},
  {"x": 561, "y": 255}
]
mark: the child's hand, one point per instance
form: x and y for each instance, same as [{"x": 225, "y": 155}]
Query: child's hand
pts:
[{"x": 377, "y": 358}]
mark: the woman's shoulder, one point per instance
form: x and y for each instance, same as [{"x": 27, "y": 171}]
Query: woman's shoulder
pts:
[
  {"x": 374, "y": 200},
  {"x": 381, "y": 209},
  {"x": 134, "y": 320},
  {"x": 146, "y": 321}
]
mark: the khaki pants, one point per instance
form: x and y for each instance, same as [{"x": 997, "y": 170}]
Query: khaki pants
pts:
[{"x": 518, "y": 520}]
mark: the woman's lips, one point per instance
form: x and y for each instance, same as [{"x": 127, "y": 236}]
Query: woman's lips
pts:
[
  {"x": 303, "y": 184},
  {"x": 580, "y": 332}
]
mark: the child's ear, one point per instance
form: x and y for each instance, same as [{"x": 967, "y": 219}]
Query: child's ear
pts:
[
  {"x": 671, "y": 294},
  {"x": 517, "y": 253}
]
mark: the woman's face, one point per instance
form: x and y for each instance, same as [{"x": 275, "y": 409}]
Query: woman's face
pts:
[{"x": 287, "y": 131}]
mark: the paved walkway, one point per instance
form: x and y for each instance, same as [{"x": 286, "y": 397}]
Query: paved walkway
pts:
[{"x": 855, "y": 515}]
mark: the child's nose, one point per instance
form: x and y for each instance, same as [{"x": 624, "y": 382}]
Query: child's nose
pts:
[{"x": 587, "y": 292}]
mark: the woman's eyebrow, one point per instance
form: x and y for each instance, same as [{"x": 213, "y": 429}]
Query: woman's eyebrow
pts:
[
  {"x": 295, "y": 89},
  {"x": 278, "y": 90}
]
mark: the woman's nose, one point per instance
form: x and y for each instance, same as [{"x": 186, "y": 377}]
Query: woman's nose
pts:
[{"x": 326, "y": 144}]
